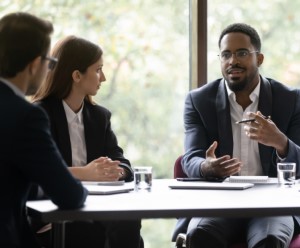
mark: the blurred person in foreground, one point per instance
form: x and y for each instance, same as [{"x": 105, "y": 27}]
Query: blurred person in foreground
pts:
[
  {"x": 82, "y": 131},
  {"x": 217, "y": 147},
  {"x": 28, "y": 152}
]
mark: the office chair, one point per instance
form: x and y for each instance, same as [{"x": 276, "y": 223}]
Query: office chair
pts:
[{"x": 181, "y": 237}]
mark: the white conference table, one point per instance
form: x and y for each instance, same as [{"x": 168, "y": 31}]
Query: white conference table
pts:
[{"x": 163, "y": 202}]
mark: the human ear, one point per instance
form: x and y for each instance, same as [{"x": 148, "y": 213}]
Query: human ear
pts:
[
  {"x": 76, "y": 76},
  {"x": 34, "y": 65},
  {"x": 260, "y": 59}
]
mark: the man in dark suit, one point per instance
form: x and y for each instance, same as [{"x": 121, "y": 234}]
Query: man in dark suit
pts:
[
  {"x": 28, "y": 153},
  {"x": 215, "y": 146}
]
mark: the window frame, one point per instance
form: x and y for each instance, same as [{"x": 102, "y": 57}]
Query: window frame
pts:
[{"x": 198, "y": 43}]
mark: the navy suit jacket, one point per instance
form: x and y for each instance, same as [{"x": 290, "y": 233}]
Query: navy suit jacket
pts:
[
  {"x": 99, "y": 137},
  {"x": 29, "y": 155},
  {"x": 207, "y": 119}
]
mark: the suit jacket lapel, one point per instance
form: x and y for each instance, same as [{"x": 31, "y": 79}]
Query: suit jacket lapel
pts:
[
  {"x": 89, "y": 132},
  {"x": 265, "y": 97},
  {"x": 62, "y": 130},
  {"x": 93, "y": 127},
  {"x": 265, "y": 107},
  {"x": 225, "y": 145}
]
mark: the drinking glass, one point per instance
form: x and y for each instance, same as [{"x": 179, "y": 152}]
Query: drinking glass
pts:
[
  {"x": 286, "y": 173},
  {"x": 142, "y": 178}
]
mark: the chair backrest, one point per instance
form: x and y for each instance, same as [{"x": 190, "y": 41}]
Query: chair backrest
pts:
[{"x": 178, "y": 172}]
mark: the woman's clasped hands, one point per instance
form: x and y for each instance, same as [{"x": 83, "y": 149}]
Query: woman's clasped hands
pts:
[{"x": 103, "y": 169}]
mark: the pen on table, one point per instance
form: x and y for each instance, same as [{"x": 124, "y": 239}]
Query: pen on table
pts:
[{"x": 251, "y": 120}]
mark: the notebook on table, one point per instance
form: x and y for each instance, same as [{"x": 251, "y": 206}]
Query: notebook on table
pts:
[
  {"x": 209, "y": 185},
  {"x": 105, "y": 183},
  {"x": 252, "y": 179},
  {"x": 108, "y": 189}
]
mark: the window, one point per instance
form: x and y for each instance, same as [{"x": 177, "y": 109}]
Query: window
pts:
[{"x": 146, "y": 62}]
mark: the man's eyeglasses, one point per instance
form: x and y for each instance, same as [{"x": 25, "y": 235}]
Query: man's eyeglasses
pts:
[
  {"x": 240, "y": 55},
  {"x": 52, "y": 61}
]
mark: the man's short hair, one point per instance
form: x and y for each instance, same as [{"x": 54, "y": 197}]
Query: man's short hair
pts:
[
  {"x": 245, "y": 29},
  {"x": 23, "y": 37}
]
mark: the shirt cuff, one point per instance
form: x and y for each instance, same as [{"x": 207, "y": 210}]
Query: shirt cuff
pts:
[{"x": 279, "y": 159}]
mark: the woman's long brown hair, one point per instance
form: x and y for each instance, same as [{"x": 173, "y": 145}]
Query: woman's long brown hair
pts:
[{"x": 73, "y": 53}]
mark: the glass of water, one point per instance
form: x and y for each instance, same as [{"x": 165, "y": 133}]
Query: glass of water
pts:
[
  {"x": 142, "y": 178},
  {"x": 286, "y": 173}
]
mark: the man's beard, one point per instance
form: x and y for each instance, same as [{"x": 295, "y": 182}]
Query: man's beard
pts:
[{"x": 237, "y": 86}]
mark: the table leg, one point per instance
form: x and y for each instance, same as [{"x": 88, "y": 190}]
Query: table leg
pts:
[{"x": 58, "y": 235}]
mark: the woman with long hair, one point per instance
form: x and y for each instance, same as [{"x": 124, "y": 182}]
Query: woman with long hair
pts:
[{"x": 83, "y": 133}]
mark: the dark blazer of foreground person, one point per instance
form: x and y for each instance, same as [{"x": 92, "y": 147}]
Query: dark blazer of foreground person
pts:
[{"x": 28, "y": 153}]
